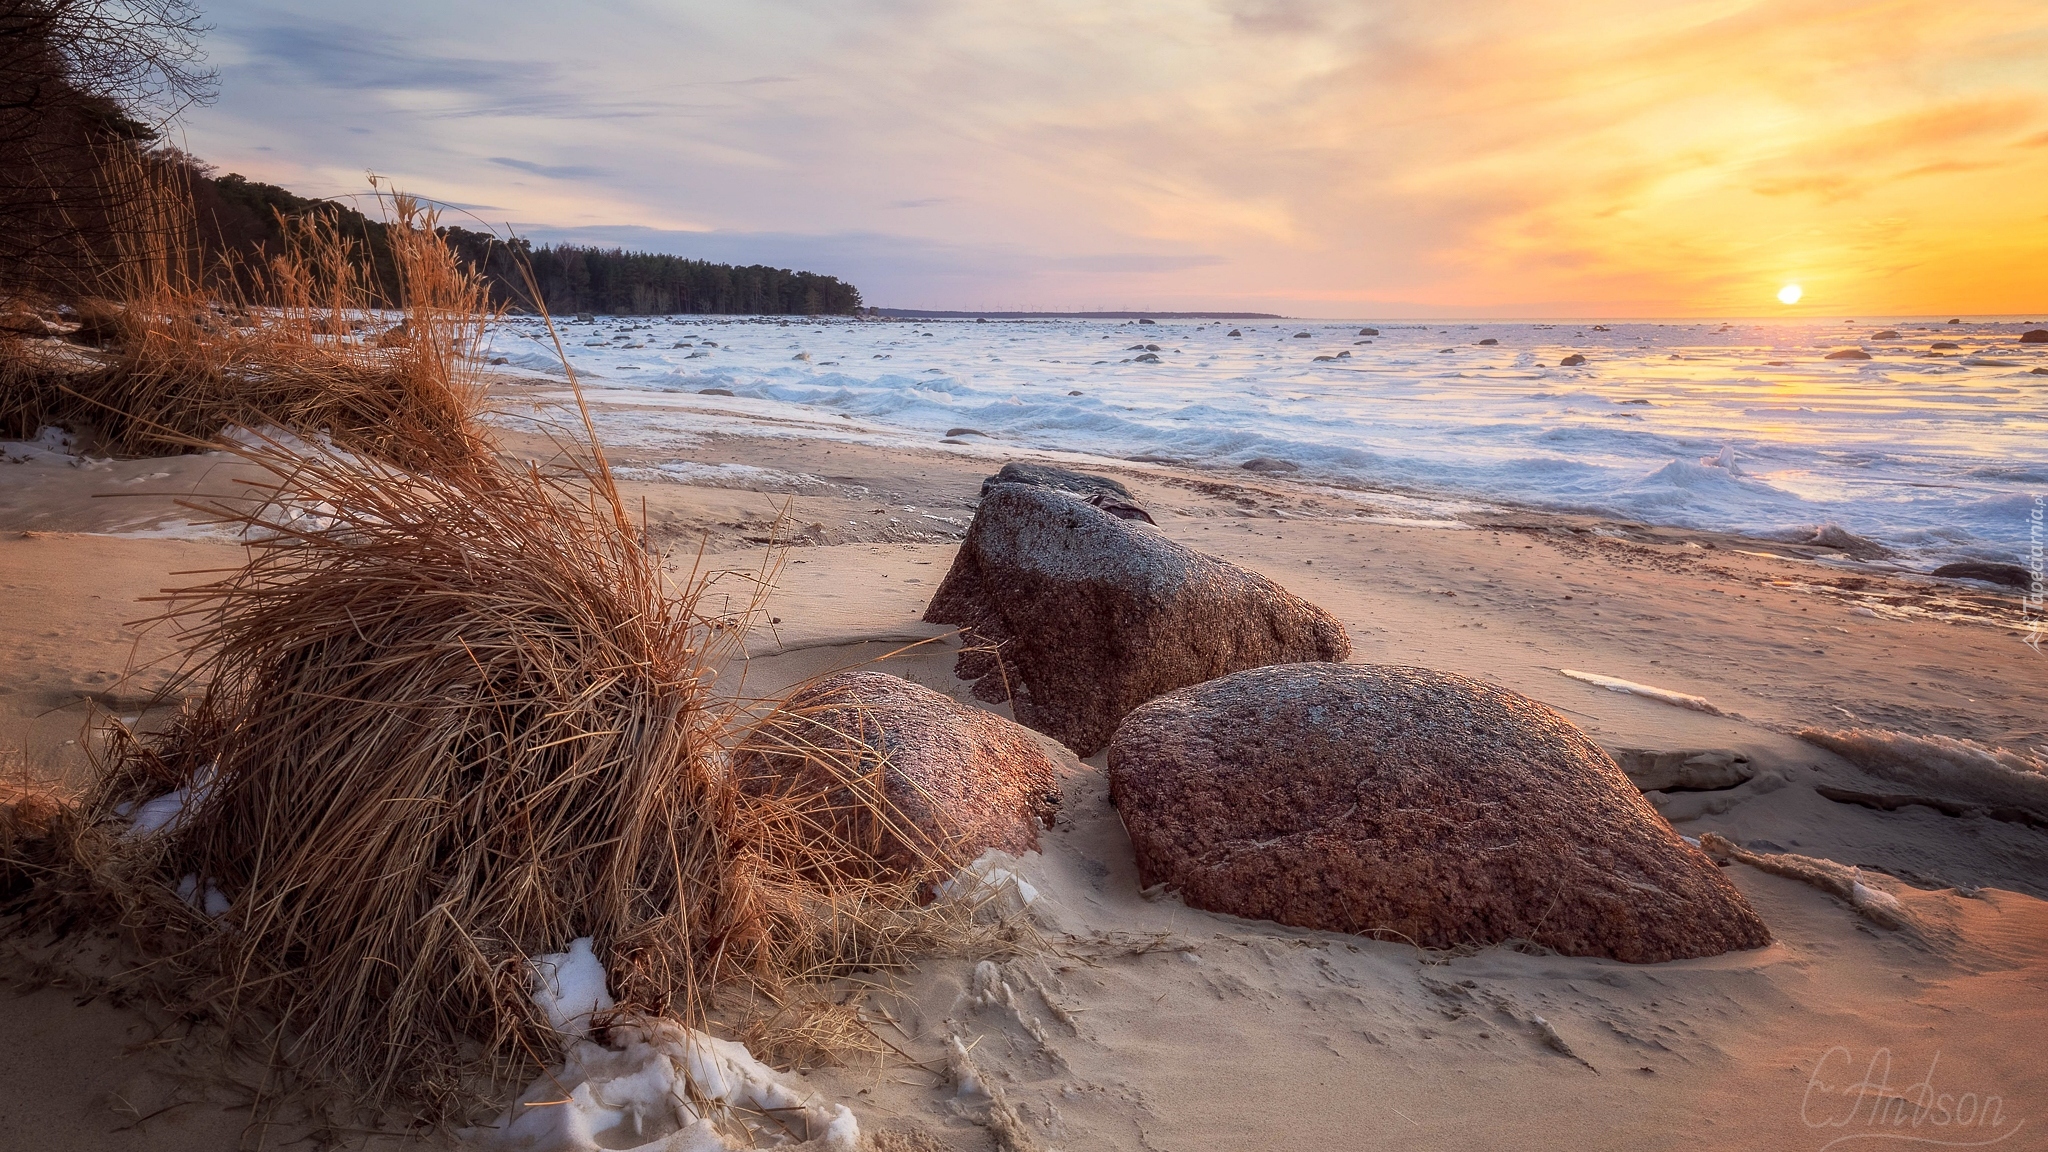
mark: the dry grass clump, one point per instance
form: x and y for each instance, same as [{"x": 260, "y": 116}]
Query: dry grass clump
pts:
[
  {"x": 451, "y": 723},
  {"x": 189, "y": 354}
]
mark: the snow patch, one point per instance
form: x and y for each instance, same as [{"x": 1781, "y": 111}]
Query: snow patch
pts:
[
  {"x": 991, "y": 881},
  {"x": 651, "y": 1085},
  {"x": 167, "y": 813},
  {"x": 1663, "y": 695}
]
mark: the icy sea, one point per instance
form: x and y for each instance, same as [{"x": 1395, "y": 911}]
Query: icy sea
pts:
[{"x": 1936, "y": 446}]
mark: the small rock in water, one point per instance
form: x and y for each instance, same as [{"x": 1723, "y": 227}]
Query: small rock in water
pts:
[
  {"x": 1368, "y": 331},
  {"x": 2036, "y": 336},
  {"x": 1571, "y": 361},
  {"x": 2010, "y": 575},
  {"x": 2039, "y": 372},
  {"x": 965, "y": 432},
  {"x": 1321, "y": 358},
  {"x": 1955, "y": 321},
  {"x": 1147, "y": 358},
  {"x": 1488, "y": 341},
  {"x": 1848, "y": 354},
  {"x": 1945, "y": 344},
  {"x": 1887, "y": 334},
  {"x": 714, "y": 391},
  {"x": 1075, "y": 392},
  {"x": 1301, "y": 336},
  {"x": 1235, "y": 332},
  {"x": 1269, "y": 464},
  {"x": 1143, "y": 320}
]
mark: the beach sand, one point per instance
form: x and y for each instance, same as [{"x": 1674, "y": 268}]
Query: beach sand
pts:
[{"x": 1142, "y": 1024}]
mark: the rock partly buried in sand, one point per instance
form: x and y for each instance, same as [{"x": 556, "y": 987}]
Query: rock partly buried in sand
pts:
[
  {"x": 1269, "y": 464},
  {"x": 1411, "y": 805},
  {"x": 1709, "y": 771},
  {"x": 955, "y": 781},
  {"x": 1107, "y": 494},
  {"x": 1848, "y": 354},
  {"x": 1077, "y": 617},
  {"x": 2010, "y": 575}
]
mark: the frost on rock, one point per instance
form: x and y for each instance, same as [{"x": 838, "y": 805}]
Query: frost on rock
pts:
[
  {"x": 167, "y": 812},
  {"x": 652, "y": 1085},
  {"x": 991, "y": 881}
]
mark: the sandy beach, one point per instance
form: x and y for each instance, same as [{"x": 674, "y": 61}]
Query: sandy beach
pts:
[{"x": 1139, "y": 1023}]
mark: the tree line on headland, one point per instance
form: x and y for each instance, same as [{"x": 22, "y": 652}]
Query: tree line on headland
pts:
[{"x": 241, "y": 214}]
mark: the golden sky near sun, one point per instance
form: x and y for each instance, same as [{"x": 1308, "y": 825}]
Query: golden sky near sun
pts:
[{"x": 1428, "y": 156}]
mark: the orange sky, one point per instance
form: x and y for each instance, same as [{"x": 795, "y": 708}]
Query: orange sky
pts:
[{"x": 1447, "y": 157}]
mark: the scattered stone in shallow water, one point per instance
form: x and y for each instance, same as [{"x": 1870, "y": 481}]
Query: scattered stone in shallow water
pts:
[
  {"x": 1887, "y": 334},
  {"x": 2010, "y": 575},
  {"x": 1368, "y": 331},
  {"x": 1414, "y": 805},
  {"x": 714, "y": 391},
  {"x": 1488, "y": 342},
  {"x": 1076, "y": 616},
  {"x": 1571, "y": 361},
  {"x": 1848, "y": 354},
  {"x": 2036, "y": 336},
  {"x": 1269, "y": 464},
  {"x": 1235, "y": 332},
  {"x": 1947, "y": 345}
]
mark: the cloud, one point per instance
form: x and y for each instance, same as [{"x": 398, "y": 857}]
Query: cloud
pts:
[
  {"x": 1301, "y": 154},
  {"x": 552, "y": 171}
]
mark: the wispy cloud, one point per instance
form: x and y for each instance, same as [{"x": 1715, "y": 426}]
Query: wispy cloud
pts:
[{"x": 552, "y": 171}]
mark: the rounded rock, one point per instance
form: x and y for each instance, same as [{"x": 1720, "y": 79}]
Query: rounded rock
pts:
[{"x": 1410, "y": 804}]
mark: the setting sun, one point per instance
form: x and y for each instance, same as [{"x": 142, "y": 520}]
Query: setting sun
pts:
[{"x": 1789, "y": 294}]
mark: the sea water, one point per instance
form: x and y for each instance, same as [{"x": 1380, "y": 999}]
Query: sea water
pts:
[{"x": 1745, "y": 426}]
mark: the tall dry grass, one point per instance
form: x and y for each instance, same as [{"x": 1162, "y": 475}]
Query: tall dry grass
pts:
[
  {"x": 192, "y": 350},
  {"x": 453, "y": 713},
  {"x": 452, "y": 721}
]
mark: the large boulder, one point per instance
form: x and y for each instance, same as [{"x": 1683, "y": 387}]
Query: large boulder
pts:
[
  {"x": 1107, "y": 494},
  {"x": 1411, "y": 805},
  {"x": 911, "y": 779},
  {"x": 1076, "y": 617}
]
